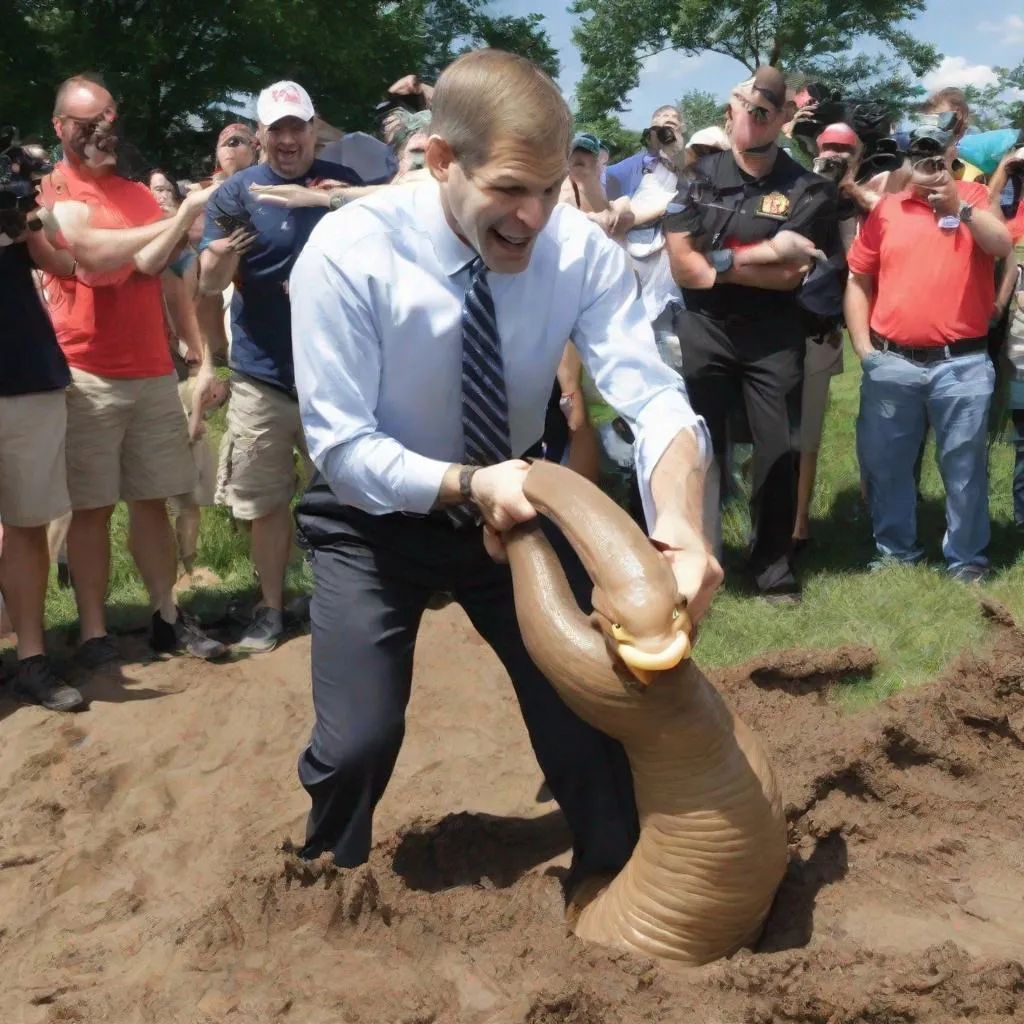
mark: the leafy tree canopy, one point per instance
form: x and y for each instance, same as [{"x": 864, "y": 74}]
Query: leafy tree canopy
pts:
[
  {"x": 815, "y": 37},
  {"x": 179, "y": 69}
]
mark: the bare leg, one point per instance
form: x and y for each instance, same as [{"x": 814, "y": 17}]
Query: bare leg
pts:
[
  {"x": 24, "y": 568},
  {"x": 804, "y": 495},
  {"x": 186, "y": 529},
  {"x": 151, "y": 543},
  {"x": 89, "y": 562},
  {"x": 271, "y": 546}
]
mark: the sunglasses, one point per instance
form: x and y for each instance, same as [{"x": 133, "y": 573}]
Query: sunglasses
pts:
[
  {"x": 235, "y": 141},
  {"x": 931, "y": 165}
]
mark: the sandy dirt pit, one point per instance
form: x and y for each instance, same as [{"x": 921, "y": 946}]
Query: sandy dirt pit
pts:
[{"x": 145, "y": 873}]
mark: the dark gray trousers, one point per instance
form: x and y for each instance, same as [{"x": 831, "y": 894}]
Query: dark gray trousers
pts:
[{"x": 373, "y": 578}]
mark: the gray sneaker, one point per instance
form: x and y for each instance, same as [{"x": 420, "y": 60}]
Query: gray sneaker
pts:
[
  {"x": 37, "y": 683},
  {"x": 263, "y": 633}
]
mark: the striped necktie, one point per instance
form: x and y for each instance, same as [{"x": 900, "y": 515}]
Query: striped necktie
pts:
[{"x": 484, "y": 403}]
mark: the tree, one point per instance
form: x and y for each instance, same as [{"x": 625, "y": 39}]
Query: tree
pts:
[
  {"x": 181, "y": 68},
  {"x": 811, "y": 36},
  {"x": 701, "y": 110},
  {"x": 455, "y": 26}
]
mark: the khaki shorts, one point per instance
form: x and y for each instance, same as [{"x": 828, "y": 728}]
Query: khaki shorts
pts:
[
  {"x": 204, "y": 457},
  {"x": 126, "y": 439},
  {"x": 33, "y": 477},
  {"x": 257, "y": 472},
  {"x": 823, "y": 362}
]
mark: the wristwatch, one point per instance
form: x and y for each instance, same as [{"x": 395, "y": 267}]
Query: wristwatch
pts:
[
  {"x": 466, "y": 474},
  {"x": 337, "y": 202},
  {"x": 721, "y": 260},
  {"x": 966, "y": 212}
]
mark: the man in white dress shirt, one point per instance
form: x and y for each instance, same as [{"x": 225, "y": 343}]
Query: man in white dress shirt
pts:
[{"x": 428, "y": 323}]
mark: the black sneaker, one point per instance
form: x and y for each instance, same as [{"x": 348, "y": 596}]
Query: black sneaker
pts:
[
  {"x": 185, "y": 637},
  {"x": 99, "y": 651},
  {"x": 37, "y": 683}
]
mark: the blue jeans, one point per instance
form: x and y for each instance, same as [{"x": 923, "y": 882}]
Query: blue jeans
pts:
[{"x": 898, "y": 398}]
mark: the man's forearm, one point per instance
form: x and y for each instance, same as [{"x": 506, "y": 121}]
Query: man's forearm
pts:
[
  {"x": 216, "y": 271},
  {"x": 677, "y": 487},
  {"x": 779, "y": 277},
  {"x": 58, "y": 262},
  {"x": 1007, "y": 284},
  {"x": 210, "y": 317},
  {"x": 152, "y": 259},
  {"x": 99, "y": 250},
  {"x": 991, "y": 233},
  {"x": 857, "y": 312}
]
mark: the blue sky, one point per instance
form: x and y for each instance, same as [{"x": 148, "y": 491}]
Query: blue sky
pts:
[{"x": 972, "y": 37}]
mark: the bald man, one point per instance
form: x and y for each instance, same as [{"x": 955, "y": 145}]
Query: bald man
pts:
[{"x": 127, "y": 438}]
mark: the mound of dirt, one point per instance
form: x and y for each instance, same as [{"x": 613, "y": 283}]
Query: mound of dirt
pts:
[{"x": 148, "y": 872}]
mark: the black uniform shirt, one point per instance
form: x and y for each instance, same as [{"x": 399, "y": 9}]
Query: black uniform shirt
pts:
[
  {"x": 724, "y": 207},
  {"x": 30, "y": 358}
]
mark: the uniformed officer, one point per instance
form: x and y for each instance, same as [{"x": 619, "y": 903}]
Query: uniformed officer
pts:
[{"x": 741, "y": 236}]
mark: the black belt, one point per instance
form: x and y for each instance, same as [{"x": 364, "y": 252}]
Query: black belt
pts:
[{"x": 931, "y": 353}]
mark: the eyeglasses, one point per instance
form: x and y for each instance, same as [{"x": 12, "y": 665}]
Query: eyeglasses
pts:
[
  {"x": 931, "y": 165},
  {"x": 108, "y": 115},
  {"x": 235, "y": 141}
]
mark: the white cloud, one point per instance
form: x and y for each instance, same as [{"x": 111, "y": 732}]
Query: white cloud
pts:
[
  {"x": 668, "y": 66},
  {"x": 1010, "y": 30},
  {"x": 955, "y": 71}
]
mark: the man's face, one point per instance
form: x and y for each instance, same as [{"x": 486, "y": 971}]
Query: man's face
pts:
[
  {"x": 582, "y": 164},
  {"x": 85, "y": 125},
  {"x": 753, "y": 122},
  {"x": 235, "y": 153},
  {"x": 163, "y": 193},
  {"x": 289, "y": 145},
  {"x": 663, "y": 119},
  {"x": 414, "y": 153},
  {"x": 945, "y": 107},
  {"x": 502, "y": 205}
]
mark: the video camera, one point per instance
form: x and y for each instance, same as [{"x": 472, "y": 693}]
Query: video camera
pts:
[{"x": 21, "y": 167}]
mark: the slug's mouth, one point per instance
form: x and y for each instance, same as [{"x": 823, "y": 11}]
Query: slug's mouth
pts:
[{"x": 643, "y": 662}]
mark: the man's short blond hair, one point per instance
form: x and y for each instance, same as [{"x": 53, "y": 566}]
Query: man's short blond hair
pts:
[{"x": 490, "y": 94}]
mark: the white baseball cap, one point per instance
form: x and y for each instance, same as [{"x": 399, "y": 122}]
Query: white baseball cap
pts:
[
  {"x": 713, "y": 138},
  {"x": 284, "y": 99}
]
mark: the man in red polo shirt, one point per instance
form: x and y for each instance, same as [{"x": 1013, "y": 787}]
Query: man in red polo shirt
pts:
[
  {"x": 918, "y": 302},
  {"x": 126, "y": 433}
]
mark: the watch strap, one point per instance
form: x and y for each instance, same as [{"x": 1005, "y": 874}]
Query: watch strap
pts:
[{"x": 466, "y": 474}]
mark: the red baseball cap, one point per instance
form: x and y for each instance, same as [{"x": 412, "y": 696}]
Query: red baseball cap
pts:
[{"x": 838, "y": 134}]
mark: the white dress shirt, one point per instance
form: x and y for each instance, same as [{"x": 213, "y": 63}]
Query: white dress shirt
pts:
[{"x": 376, "y": 299}]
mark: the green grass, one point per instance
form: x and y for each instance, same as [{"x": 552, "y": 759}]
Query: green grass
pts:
[
  {"x": 917, "y": 619},
  {"x": 915, "y": 616}
]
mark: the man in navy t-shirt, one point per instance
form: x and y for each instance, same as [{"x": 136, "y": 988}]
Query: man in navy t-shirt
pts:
[{"x": 256, "y": 225}]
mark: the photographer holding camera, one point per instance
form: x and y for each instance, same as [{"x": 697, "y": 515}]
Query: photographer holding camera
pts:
[
  {"x": 918, "y": 303},
  {"x": 33, "y": 419}
]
